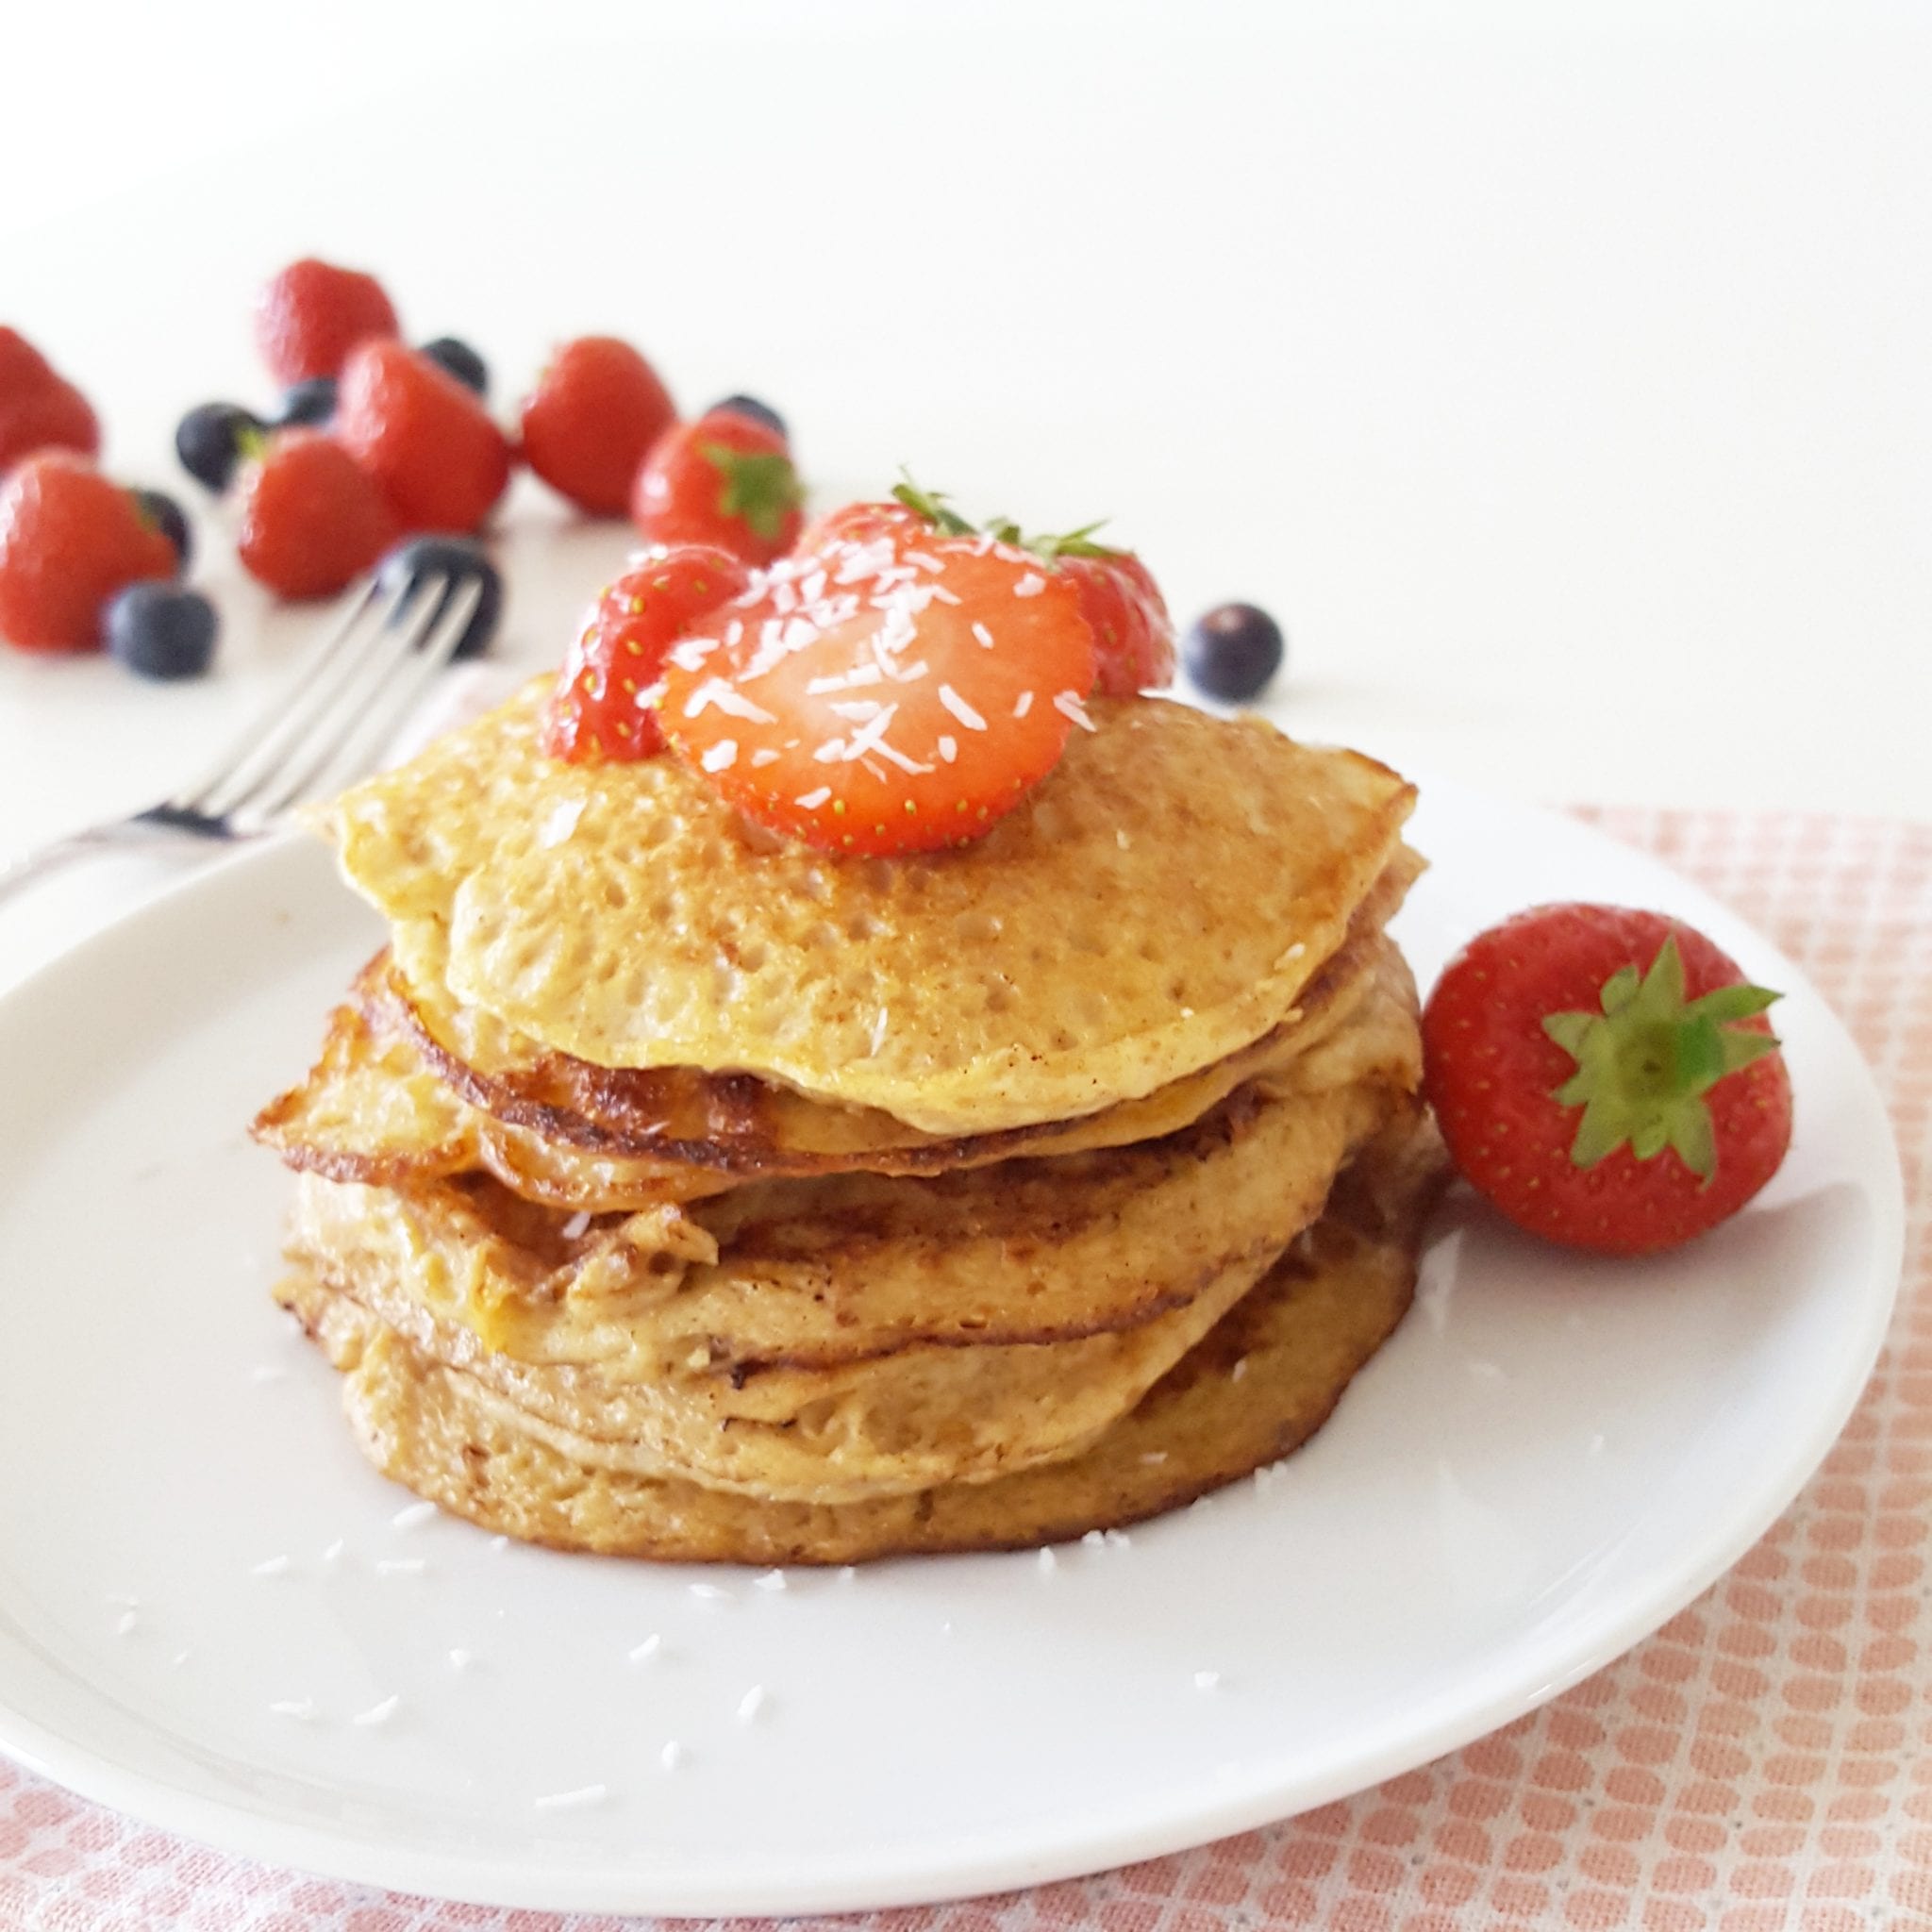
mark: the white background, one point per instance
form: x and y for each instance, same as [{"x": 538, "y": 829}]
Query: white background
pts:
[{"x": 1561, "y": 376}]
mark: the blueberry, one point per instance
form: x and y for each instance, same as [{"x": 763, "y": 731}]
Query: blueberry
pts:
[
  {"x": 754, "y": 410},
  {"x": 209, "y": 442},
  {"x": 162, "y": 631},
  {"x": 311, "y": 402},
  {"x": 1232, "y": 652},
  {"x": 456, "y": 560},
  {"x": 461, "y": 361},
  {"x": 168, "y": 517}
]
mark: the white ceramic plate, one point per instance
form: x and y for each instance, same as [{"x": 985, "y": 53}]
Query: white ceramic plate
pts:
[{"x": 1551, "y": 1458}]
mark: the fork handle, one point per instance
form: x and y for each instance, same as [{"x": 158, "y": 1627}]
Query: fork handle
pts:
[{"x": 16, "y": 874}]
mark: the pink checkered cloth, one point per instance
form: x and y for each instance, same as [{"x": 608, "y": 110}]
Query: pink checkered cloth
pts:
[{"x": 1763, "y": 1764}]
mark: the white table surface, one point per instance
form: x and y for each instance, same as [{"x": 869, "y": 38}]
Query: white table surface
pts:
[{"x": 1565, "y": 388}]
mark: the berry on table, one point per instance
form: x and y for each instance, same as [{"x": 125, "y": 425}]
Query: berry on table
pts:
[
  {"x": 1606, "y": 1077},
  {"x": 756, "y": 411},
  {"x": 724, "y": 480},
  {"x": 209, "y": 441},
  {"x": 39, "y": 408},
  {"x": 312, "y": 314},
  {"x": 457, "y": 560},
  {"x": 597, "y": 409},
  {"x": 307, "y": 404},
  {"x": 312, "y": 518},
  {"x": 425, "y": 437},
  {"x": 164, "y": 631},
  {"x": 459, "y": 361},
  {"x": 1233, "y": 651},
  {"x": 70, "y": 538},
  {"x": 168, "y": 517},
  {"x": 603, "y": 706}
]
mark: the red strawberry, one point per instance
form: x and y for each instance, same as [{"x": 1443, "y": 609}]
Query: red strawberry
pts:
[
  {"x": 595, "y": 412},
  {"x": 312, "y": 517},
  {"x": 885, "y": 695},
  {"x": 722, "y": 479},
  {"x": 309, "y": 317},
  {"x": 1133, "y": 635},
  {"x": 423, "y": 436},
  {"x": 601, "y": 706},
  {"x": 39, "y": 408},
  {"x": 69, "y": 540},
  {"x": 863, "y": 522},
  {"x": 1605, "y": 1077}
]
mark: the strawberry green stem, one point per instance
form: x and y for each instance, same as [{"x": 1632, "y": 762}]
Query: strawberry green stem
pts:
[{"x": 1644, "y": 1064}]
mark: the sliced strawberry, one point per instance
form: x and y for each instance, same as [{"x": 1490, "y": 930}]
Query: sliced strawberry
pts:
[
  {"x": 888, "y": 695},
  {"x": 602, "y": 705}
]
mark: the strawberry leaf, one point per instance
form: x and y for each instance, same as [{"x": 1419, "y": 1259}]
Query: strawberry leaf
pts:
[
  {"x": 761, "y": 490},
  {"x": 1644, "y": 1064}
]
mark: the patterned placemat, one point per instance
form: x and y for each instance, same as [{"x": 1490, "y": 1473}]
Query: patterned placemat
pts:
[{"x": 1763, "y": 1764}]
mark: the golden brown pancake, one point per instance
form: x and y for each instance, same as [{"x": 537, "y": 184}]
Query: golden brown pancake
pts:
[
  {"x": 1256, "y": 1385},
  {"x": 1158, "y": 904}
]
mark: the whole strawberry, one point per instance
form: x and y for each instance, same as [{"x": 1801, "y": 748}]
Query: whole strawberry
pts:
[
  {"x": 425, "y": 437},
  {"x": 312, "y": 518},
  {"x": 604, "y": 706},
  {"x": 1605, "y": 1077},
  {"x": 70, "y": 538},
  {"x": 723, "y": 480},
  {"x": 39, "y": 408},
  {"x": 311, "y": 315},
  {"x": 597, "y": 409}
]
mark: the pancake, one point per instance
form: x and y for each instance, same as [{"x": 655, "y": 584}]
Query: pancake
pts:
[
  {"x": 1158, "y": 904},
  {"x": 836, "y": 1268},
  {"x": 829, "y": 1339},
  {"x": 1260, "y": 1382},
  {"x": 387, "y": 1104},
  {"x": 746, "y": 1126}
]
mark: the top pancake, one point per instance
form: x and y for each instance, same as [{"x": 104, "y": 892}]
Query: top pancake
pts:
[{"x": 1156, "y": 904}]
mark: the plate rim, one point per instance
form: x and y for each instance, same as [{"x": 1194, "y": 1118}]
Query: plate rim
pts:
[{"x": 855, "y": 1881}]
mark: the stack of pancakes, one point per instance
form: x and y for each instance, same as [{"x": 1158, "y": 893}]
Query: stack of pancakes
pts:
[{"x": 671, "y": 1190}]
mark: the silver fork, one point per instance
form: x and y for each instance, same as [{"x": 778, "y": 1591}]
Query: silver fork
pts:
[{"x": 345, "y": 701}]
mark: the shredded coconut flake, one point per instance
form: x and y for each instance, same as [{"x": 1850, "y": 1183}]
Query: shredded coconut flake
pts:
[
  {"x": 576, "y": 1227},
  {"x": 376, "y": 1713},
  {"x": 711, "y": 1592},
  {"x": 1030, "y": 585},
  {"x": 499, "y": 1542},
  {"x": 268, "y": 1372},
  {"x": 1023, "y": 704},
  {"x": 580, "y": 1800},
  {"x": 302, "y": 1709},
  {"x": 460, "y": 1659},
  {"x": 640, "y": 1653},
  {"x": 1048, "y": 1561},
  {"x": 1068, "y": 704},
  {"x": 414, "y": 1517},
  {"x": 273, "y": 1566},
  {"x": 772, "y": 1579},
  {"x": 560, "y": 822},
  {"x": 722, "y": 755},
  {"x": 1240, "y": 1369},
  {"x": 751, "y": 1704},
  {"x": 810, "y": 801},
  {"x": 671, "y": 1756},
  {"x": 334, "y": 1551},
  {"x": 728, "y": 699},
  {"x": 126, "y": 1623},
  {"x": 949, "y": 748},
  {"x": 961, "y": 709},
  {"x": 1206, "y": 1680},
  {"x": 763, "y": 756},
  {"x": 848, "y": 1573},
  {"x": 1155, "y": 1458},
  {"x": 180, "y": 1659},
  {"x": 984, "y": 636},
  {"x": 401, "y": 1566}
]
